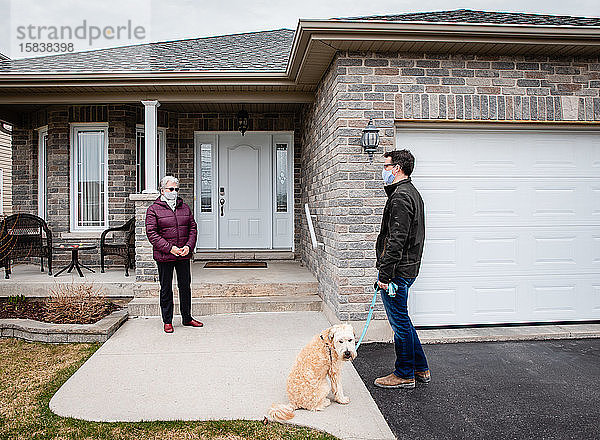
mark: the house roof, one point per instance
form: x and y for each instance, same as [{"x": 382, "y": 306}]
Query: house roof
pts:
[
  {"x": 281, "y": 66},
  {"x": 266, "y": 51},
  {"x": 485, "y": 17},
  {"x": 237, "y": 52}
]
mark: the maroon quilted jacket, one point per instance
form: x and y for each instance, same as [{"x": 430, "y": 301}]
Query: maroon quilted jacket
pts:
[{"x": 166, "y": 228}]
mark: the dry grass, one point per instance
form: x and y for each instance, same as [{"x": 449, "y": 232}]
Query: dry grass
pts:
[
  {"x": 77, "y": 304},
  {"x": 30, "y": 374}
]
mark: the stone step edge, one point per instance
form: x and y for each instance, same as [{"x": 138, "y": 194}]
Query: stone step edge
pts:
[
  {"x": 230, "y": 299},
  {"x": 37, "y": 331},
  {"x": 231, "y": 305},
  {"x": 235, "y": 290}
]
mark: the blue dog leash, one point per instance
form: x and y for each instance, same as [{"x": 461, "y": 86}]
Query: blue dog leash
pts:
[{"x": 391, "y": 292}]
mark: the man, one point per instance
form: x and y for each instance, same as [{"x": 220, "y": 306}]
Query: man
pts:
[
  {"x": 399, "y": 249},
  {"x": 171, "y": 229}
]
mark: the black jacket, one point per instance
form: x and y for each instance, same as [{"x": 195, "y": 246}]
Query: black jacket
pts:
[{"x": 400, "y": 242}]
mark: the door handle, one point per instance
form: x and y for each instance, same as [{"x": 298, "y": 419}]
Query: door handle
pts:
[{"x": 222, "y": 202}]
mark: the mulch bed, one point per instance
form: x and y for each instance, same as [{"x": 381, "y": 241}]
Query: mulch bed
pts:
[{"x": 36, "y": 309}]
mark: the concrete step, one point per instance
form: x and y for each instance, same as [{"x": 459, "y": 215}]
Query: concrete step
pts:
[
  {"x": 243, "y": 255},
  {"x": 239, "y": 289},
  {"x": 224, "y": 305}
]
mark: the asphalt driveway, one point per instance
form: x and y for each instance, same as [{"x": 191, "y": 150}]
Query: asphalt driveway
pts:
[{"x": 509, "y": 390}]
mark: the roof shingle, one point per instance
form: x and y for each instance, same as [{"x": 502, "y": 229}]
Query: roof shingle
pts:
[
  {"x": 266, "y": 51},
  {"x": 485, "y": 17}
]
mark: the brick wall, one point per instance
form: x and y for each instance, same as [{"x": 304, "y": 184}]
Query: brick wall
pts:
[
  {"x": 325, "y": 187},
  {"x": 23, "y": 155},
  {"x": 121, "y": 163},
  {"x": 345, "y": 190}
]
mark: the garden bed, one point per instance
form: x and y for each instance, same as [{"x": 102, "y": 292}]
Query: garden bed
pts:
[
  {"x": 74, "y": 313},
  {"x": 68, "y": 304},
  {"x": 42, "y": 309}
]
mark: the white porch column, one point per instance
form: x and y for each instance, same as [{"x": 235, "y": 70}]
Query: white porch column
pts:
[{"x": 150, "y": 135}]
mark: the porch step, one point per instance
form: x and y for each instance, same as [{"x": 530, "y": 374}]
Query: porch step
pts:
[
  {"x": 225, "y": 305},
  {"x": 243, "y": 255},
  {"x": 230, "y": 290}
]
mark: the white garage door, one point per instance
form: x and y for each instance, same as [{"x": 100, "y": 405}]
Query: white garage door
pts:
[{"x": 513, "y": 225}]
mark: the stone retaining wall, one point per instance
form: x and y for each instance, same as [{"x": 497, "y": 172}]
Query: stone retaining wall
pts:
[{"x": 37, "y": 331}]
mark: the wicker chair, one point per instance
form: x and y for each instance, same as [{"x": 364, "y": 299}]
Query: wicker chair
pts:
[
  {"x": 22, "y": 236},
  {"x": 124, "y": 249}
]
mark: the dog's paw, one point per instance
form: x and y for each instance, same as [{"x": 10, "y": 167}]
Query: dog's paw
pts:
[
  {"x": 344, "y": 400},
  {"x": 324, "y": 404}
]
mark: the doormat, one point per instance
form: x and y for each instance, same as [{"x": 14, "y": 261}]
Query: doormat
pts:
[{"x": 235, "y": 264}]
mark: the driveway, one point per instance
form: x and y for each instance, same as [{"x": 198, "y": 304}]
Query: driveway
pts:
[{"x": 497, "y": 390}]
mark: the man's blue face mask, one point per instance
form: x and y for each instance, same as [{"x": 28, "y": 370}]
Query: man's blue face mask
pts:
[{"x": 387, "y": 176}]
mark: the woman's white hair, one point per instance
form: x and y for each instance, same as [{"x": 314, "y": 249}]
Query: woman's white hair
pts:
[{"x": 167, "y": 179}]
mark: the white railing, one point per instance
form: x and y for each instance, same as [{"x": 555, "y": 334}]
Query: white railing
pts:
[{"x": 311, "y": 228}]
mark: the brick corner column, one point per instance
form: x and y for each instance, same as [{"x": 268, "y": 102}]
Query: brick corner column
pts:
[{"x": 146, "y": 270}]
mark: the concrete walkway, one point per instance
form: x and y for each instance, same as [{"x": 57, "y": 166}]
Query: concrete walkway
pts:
[{"x": 233, "y": 368}]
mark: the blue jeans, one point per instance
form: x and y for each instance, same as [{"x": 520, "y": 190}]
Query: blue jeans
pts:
[{"x": 409, "y": 353}]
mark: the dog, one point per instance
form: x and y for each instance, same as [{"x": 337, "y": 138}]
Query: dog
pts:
[{"x": 322, "y": 357}]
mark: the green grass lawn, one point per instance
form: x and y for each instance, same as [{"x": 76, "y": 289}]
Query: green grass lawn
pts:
[{"x": 30, "y": 374}]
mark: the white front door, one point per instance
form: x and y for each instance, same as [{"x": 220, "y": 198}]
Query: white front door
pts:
[{"x": 244, "y": 191}]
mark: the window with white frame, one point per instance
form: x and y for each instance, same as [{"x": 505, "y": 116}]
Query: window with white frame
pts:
[
  {"x": 140, "y": 157},
  {"x": 89, "y": 176},
  {"x": 42, "y": 172}
]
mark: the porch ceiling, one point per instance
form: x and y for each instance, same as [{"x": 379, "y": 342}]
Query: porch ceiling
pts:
[
  {"x": 93, "y": 92},
  {"x": 12, "y": 113},
  {"x": 223, "y": 107}
]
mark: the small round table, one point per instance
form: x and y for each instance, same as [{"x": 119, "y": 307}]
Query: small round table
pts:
[{"x": 74, "y": 248}]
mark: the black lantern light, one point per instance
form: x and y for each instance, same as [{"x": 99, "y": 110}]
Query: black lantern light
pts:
[
  {"x": 370, "y": 139},
  {"x": 242, "y": 118}
]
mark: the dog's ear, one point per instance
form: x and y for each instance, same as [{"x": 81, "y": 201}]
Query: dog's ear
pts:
[
  {"x": 326, "y": 334},
  {"x": 331, "y": 332}
]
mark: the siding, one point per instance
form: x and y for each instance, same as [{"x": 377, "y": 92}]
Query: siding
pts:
[{"x": 5, "y": 164}]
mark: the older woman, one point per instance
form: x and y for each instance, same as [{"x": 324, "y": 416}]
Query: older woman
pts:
[{"x": 171, "y": 229}]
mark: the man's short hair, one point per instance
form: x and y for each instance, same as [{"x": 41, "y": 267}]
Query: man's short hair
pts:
[{"x": 404, "y": 158}]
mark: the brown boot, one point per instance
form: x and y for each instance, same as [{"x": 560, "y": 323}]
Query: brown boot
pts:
[
  {"x": 393, "y": 381},
  {"x": 423, "y": 376}
]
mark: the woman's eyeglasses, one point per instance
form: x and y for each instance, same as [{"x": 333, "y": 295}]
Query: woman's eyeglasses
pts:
[{"x": 172, "y": 189}]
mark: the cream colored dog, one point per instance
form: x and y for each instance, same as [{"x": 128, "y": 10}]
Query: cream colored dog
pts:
[{"x": 322, "y": 357}]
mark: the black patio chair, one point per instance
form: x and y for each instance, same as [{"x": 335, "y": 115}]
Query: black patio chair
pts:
[
  {"x": 24, "y": 236},
  {"x": 124, "y": 249}
]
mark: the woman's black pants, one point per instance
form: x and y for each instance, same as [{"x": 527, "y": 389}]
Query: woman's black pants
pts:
[{"x": 165, "y": 276}]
